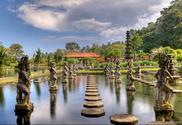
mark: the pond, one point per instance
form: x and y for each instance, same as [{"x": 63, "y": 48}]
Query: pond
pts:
[{"x": 66, "y": 106}]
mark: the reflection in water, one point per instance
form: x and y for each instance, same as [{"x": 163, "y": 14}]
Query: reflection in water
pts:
[
  {"x": 1, "y": 96},
  {"x": 37, "y": 89},
  {"x": 117, "y": 90},
  {"x": 65, "y": 93},
  {"x": 23, "y": 118},
  {"x": 111, "y": 85},
  {"x": 53, "y": 99},
  {"x": 65, "y": 107},
  {"x": 130, "y": 99}
]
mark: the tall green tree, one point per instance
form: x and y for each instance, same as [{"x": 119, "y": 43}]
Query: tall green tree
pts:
[
  {"x": 58, "y": 55},
  {"x": 136, "y": 41},
  {"x": 38, "y": 56},
  {"x": 3, "y": 55},
  {"x": 72, "y": 46},
  {"x": 16, "y": 50}
]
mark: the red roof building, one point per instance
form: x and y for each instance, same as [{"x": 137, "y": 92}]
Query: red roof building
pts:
[{"x": 82, "y": 55}]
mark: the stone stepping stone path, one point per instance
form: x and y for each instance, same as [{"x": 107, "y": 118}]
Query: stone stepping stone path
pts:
[
  {"x": 92, "y": 94},
  {"x": 123, "y": 119},
  {"x": 92, "y": 98},
  {"x": 93, "y": 112},
  {"x": 93, "y": 104}
]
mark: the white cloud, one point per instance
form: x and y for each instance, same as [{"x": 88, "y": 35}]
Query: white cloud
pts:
[
  {"x": 91, "y": 24},
  {"x": 63, "y": 3},
  {"x": 108, "y": 18},
  {"x": 43, "y": 19},
  {"x": 114, "y": 31}
]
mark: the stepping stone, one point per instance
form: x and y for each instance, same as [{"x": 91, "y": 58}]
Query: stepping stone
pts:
[
  {"x": 92, "y": 98},
  {"x": 91, "y": 85},
  {"x": 93, "y": 112},
  {"x": 91, "y": 90},
  {"x": 92, "y": 94},
  {"x": 123, "y": 119},
  {"x": 93, "y": 104}
]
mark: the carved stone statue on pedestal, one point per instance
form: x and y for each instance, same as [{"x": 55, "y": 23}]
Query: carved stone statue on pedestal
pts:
[
  {"x": 164, "y": 93},
  {"x": 117, "y": 72},
  {"x": 65, "y": 73},
  {"x": 23, "y": 107},
  {"x": 53, "y": 77}
]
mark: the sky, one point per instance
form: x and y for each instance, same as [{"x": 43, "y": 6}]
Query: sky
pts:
[{"x": 49, "y": 24}]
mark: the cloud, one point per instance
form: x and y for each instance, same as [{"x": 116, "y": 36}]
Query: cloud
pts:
[
  {"x": 107, "y": 18},
  {"x": 91, "y": 24},
  {"x": 40, "y": 18},
  {"x": 62, "y": 3}
]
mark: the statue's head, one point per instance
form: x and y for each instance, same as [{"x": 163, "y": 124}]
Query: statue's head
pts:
[
  {"x": 52, "y": 64},
  {"x": 24, "y": 63}
]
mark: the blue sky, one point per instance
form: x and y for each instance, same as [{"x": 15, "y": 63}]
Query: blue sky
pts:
[{"x": 49, "y": 24}]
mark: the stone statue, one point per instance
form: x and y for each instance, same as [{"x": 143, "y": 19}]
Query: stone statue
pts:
[
  {"x": 23, "y": 86},
  {"x": 53, "y": 77},
  {"x": 65, "y": 73},
  {"x": 74, "y": 70},
  {"x": 117, "y": 72},
  {"x": 24, "y": 107},
  {"x": 106, "y": 70},
  {"x": 163, "y": 76}
]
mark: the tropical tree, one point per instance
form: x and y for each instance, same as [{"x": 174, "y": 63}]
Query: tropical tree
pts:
[
  {"x": 3, "y": 55},
  {"x": 72, "y": 46},
  {"x": 16, "y": 50},
  {"x": 58, "y": 55}
]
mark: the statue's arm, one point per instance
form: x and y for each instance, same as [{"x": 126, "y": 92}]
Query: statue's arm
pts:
[{"x": 170, "y": 76}]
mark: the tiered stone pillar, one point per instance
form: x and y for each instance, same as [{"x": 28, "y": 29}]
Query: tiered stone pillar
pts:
[
  {"x": 24, "y": 107},
  {"x": 129, "y": 58}
]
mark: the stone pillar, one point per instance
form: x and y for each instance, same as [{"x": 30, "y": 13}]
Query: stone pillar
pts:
[{"x": 129, "y": 58}]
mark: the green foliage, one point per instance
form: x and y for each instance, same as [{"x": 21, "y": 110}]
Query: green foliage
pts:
[
  {"x": 166, "y": 31},
  {"x": 3, "y": 55},
  {"x": 58, "y": 55},
  {"x": 113, "y": 50},
  {"x": 136, "y": 41},
  {"x": 72, "y": 46},
  {"x": 16, "y": 50},
  {"x": 72, "y": 60},
  {"x": 38, "y": 56}
]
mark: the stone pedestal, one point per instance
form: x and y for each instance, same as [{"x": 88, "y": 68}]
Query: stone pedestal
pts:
[{"x": 124, "y": 119}]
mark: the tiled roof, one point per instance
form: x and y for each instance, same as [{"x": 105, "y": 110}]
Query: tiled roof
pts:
[{"x": 82, "y": 55}]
